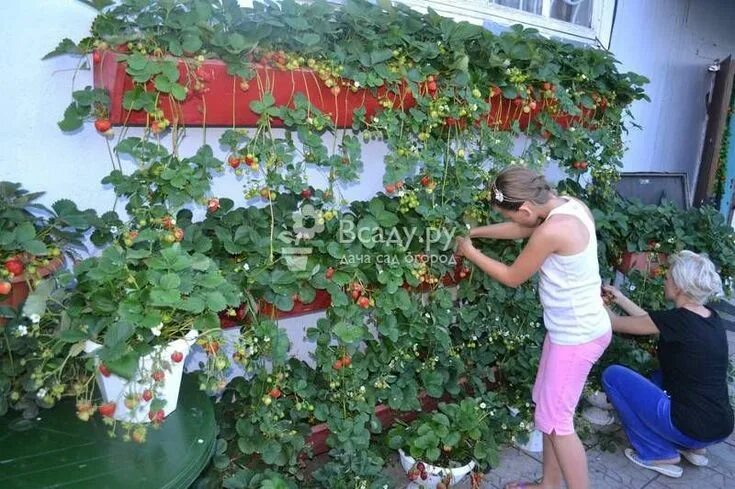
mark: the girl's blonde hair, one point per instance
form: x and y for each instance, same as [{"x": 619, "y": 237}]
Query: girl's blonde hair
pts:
[
  {"x": 695, "y": 275},
  {"x": 515, "y": 185}
]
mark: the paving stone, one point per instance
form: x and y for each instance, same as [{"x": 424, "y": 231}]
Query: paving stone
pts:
[
  {"x": 514, "y": 465},
  {"x": 694, "y": 477},
  {"x": 721, "y": 460},
  {"x": 612, "y": 470}
]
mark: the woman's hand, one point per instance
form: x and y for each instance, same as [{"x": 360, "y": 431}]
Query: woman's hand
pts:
[
  {"x": 611, "y": 295},
  {"x": 464, "y": 245}
]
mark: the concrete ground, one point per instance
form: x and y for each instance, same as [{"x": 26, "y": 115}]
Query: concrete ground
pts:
[{"x": 610, "y": 470}]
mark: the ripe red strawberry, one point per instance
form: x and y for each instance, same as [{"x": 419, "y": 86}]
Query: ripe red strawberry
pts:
[
  {"x": 156, "y": 416},
  {"x": 147, "y": 395},
  {"x": 337, "y": 364},
  {"x": 425, "y": 180},
  {"x": 390, "y": 188},
  {"x": 102, "y": 125},
  {"x": 104, "y": 370},
  {"x": 107, "y": 410},
  {"x": 329, "y": 273},
  {"x": 275, "y": 393},
  {"x": 355, "y": 294},
  {"x": 5, "y": 288},
  {"x": 346, "y": 361},
  {"x": 233, "y": 161},
  {"x": 213, "y": 205},
  {"x": 363, "y": 302},
  {"x": 177, "y": 356},
  {"x": 14, "y": 266},
  {"x": 306, "y": 193},
  {"x": 431, "y": 86},
  {"x": 158, "y": 375}
]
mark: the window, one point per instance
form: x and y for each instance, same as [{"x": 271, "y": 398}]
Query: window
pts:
[{"x": 587, "y": 21}]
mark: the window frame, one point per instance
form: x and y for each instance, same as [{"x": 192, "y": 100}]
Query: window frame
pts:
[{"x": 475, "y": 12}]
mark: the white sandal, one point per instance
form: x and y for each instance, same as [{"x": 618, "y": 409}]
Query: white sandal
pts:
[
  {"x": 669, "y": 470},
  {"x": 698, "y": 459}
]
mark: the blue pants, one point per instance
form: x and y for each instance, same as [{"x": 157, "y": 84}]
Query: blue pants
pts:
[{"x": 644, "y": 409}]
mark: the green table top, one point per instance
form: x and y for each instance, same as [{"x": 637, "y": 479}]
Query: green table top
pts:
[{"x": 59, "y": 451}]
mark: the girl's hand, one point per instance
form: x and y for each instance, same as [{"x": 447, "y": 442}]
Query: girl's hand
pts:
[{"x": 464, "y": 245}]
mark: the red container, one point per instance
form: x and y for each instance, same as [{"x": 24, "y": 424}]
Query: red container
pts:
[
  {"x": 20, "y": 290},
  {"x": 321, "y": 302},
  {"x": 224, "y": 103},
  {"x": 643, "y": 261},
  {"x": 386, "y": 415}
]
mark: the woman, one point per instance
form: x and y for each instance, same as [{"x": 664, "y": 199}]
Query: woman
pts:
[
  {"x": 562, "y": 246},
  {"x": 686, "y": 407}
]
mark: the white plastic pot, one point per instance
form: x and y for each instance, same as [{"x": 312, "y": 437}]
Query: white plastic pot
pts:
[
  {"x": 535, "y": 443},
  {"x": 599, "y": 400},
  {"x": 116, "y": 389},
  {"x": 435, "y": 474}
]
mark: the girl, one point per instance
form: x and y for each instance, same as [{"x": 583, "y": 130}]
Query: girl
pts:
[{"x": 562, "y": 245}]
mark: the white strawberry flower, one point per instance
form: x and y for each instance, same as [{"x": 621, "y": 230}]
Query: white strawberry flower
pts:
[
  {"x": 41, "y": 393},
  {"x": 22, "y": 330},
  {"x": 157, "y": 330},
  {"x": 35, "y": 318}
]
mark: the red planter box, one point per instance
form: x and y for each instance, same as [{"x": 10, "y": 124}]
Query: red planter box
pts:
[
  {"x": 20, "y": 290},
  {"x": 643, "y": 261},
  {"x": 386, "y": 415},
  {"x": 321, "y": 302},
  {"x": 224, "y": 103}
]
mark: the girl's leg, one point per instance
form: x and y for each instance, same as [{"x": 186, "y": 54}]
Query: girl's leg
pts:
[
  {"x": 644, "y": 411},
  {"x": 552, "y": 477},
  {"x": 572, "y": 460}
]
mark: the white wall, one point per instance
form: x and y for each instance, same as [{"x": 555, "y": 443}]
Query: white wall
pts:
[{"x": 672, "y": 42}]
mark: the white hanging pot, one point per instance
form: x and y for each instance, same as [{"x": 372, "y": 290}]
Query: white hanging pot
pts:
[
  {"x": 158, "y": 377},
  {"x": 435, "y": 474}
]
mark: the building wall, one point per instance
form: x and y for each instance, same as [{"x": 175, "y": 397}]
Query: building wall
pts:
[{"x": 672, "y": 42}]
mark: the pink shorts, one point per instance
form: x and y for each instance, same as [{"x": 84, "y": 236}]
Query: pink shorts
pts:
[{"x": 562, "y": 373}]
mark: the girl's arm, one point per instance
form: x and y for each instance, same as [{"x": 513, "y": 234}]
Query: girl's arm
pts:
[
  {"x": 504, "y": 230},
  {"x": 543, "y": 242}
]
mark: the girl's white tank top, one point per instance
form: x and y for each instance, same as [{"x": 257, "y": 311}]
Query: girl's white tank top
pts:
[{"x": 569, "y": 288}]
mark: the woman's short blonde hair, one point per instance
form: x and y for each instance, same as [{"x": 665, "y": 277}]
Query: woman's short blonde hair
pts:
[{"x": 695, "y": 275}]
